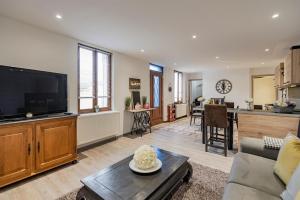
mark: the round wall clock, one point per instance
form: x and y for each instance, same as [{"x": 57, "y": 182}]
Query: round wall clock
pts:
[{"x": 223, "y": 86}]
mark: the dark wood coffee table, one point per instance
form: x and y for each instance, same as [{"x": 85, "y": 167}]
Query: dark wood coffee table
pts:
[{"x": 118, "y": 182}]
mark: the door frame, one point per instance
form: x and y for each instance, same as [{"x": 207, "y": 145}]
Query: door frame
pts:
[
  {"x": 161, "y": 96},
  {"x": 257, "y": 76},
  {"x": 189, "y": 90}
]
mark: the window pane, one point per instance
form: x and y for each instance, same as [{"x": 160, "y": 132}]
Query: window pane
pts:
[
  {"x": 86, "y": 103},
  {"x": 103, "y": 78},
  {"x": 155, "y": 68},
  {"x": 175, "y": 86},
  {"x": 156, "y": 91},
  {"x": 86, "y": 72},
  {"x": 103, "y": 102},
  {"x": 179, "y": 86}
]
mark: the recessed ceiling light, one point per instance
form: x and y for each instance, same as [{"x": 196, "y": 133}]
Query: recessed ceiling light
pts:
[
  {"x": 142, "y": 50},
  {"x": 217, "y": 57},
  {"x": 262, "y": 63},
  {"x": 58, "y": 16},
  {"x": 275, "y": 15},
  {"x": 266, "y": 50},
  {"x": 194, "y": 36}
]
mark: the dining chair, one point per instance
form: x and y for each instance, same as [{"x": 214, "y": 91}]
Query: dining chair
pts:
[
  {"x": 229, "y": 104},
  {"x": 194, "y": 114},
  {"x": 258, "y": 107},
  {"x": 216, "y": 117}
]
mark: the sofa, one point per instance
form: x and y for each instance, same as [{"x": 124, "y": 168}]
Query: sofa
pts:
[{"x": 251, "y": 176}]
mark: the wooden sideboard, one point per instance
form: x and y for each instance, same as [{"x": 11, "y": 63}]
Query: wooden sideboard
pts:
[
  {"x": 30, "y": 147},
  {"x": 259, "y": 125}
]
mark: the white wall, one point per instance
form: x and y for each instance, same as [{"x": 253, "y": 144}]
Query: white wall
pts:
[
  {"x": 26, "y": 46},
  {"x": 240, "y": 79}
]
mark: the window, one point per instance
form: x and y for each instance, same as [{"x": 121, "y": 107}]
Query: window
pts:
[
  {"x": 155, "y": 68},
  {"x": 94, "y": 79},
  {"x": 178, "y": 87}
]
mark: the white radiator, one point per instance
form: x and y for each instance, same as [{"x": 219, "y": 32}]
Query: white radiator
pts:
[{"x": 181, "y": 110}]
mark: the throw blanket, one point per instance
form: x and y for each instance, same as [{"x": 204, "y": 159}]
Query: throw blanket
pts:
[{"x": 272, "y": 143}]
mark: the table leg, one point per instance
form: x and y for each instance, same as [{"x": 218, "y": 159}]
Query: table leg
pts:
[
  {"x": 203, "y": 128},
  {"x": 230, "y": 135}
]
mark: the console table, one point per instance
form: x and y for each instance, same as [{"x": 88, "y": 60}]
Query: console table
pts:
[{"x": 141, "y": 120}]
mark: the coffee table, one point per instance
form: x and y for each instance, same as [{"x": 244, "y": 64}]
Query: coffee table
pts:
[{"x": 118, "y": 182}]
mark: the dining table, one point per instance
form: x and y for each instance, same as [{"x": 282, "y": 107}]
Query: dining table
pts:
[{"x": 231, "y": 113}]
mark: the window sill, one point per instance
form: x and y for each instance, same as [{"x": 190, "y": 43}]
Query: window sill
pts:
[{"x": 83, "y": 115}]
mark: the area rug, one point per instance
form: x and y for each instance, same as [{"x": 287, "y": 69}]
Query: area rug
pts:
[{"x": 205, "y": 184}]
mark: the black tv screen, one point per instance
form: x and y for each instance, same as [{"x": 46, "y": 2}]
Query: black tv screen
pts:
[{"x": 29, "y": 91}]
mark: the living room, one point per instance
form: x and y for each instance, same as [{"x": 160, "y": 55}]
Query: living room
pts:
[{"x": 136, "y": 78}]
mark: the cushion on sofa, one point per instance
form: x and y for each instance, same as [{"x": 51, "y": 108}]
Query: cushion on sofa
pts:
[
  {"x": 288, "y": 158},
  {"x": 256, "y": 146},
  {"x": 235, "y": 191},
  {"x": 256, "y": 172}
]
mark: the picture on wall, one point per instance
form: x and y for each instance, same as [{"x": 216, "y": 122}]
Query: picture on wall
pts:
[{"x": 134, "y": 84}]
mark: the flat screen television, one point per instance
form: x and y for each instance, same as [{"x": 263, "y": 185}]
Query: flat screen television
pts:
[{"x": 25, "y": 91}]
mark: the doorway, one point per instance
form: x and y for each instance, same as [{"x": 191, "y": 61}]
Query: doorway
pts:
[
  {"x": 156, "y": 96},
  {"x": 263, "y": 90},
  {"x": 195, "y": 90}
]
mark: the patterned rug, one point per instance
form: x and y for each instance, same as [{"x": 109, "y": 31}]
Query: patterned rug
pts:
[{"x": 206, "y": 184}]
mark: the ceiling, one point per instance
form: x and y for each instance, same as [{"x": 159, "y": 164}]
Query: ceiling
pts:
[{"x": 237, "y": 31}]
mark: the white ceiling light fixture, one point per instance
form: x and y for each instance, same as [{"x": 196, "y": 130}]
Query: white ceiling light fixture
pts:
[
  {"x": 217, "y": 57},
  {"x": 58, "y": 16},
  {"x": 275, "y": 15},
  {"x": 267, "y": 50},
  {"x": 262, "y": 63},
  {"x": 142, "y": 50},
  {"x": 194, "y": 36}
]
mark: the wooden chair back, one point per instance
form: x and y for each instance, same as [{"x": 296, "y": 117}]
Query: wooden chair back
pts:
[{"x": 215, "y": 115}]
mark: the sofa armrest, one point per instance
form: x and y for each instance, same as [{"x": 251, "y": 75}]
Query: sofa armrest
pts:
[{"x": 256, "y": 146}]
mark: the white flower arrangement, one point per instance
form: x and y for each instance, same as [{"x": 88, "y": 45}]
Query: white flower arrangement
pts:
[{"x": 145, "y": 157}]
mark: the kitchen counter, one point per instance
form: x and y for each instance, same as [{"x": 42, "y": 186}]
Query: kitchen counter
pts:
[
  {"x": 259, "y": 123},
  {"x": 264, "y": 112}
]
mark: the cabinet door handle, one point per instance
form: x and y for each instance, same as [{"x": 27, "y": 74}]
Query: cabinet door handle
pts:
[
  {"x": 38, "y": 147},
  {"x": 29, "y": 149}
]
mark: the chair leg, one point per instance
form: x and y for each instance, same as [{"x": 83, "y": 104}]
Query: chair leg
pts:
[
  {"x": 225, "y": 142},
  {"x": 205, "y": 138},
  {"x": 211, "y": 131},
  {"x": 191, "y": 120}
]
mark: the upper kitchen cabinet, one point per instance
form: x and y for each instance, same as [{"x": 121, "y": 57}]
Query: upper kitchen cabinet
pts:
[
  {"x": 279, "y": 71},
  {"x": 292, "y": 66}
]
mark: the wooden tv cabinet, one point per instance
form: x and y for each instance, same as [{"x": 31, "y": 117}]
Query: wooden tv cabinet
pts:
[{"x": 33, "y": 146}]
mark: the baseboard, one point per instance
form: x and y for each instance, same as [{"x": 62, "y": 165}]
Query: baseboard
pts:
[
  {"x": 181, "y": 117},
  {"x": 95, "y": 143}
]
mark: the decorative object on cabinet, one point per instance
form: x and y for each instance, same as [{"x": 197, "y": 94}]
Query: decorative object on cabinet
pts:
[
  {"x": 284, "y": 107},
  {"x": 171, "y": 112},
  {"x": 292, "y": 67},
  {"x": 34, "y": 146},
  {"x": 223, "y": 86},
  {"x": 134, "y": 83}
]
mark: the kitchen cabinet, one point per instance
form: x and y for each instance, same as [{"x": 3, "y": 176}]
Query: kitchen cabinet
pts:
[
  {"x": 279, "y": 75},
  {"x": 292, "y": 67}
]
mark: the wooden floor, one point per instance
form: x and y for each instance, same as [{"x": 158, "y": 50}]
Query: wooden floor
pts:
[{"x": 177, "y": 136}]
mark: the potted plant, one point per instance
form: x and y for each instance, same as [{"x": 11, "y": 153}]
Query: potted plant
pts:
[
  {"x": 127, "y": 103},
  {"x": 144, "y": 101}
]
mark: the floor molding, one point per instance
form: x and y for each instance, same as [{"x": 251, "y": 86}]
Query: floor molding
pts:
[{"x": 96, "y": 143}]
